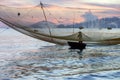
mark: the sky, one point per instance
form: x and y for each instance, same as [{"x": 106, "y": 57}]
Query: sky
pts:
[
  {"x": 72, "y": 3},
  {"x": 73, "y": 8}
]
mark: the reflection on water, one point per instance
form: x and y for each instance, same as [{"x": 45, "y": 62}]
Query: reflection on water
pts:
[{"x": 25, "y": 58}]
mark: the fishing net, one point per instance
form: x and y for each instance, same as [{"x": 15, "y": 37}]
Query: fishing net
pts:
[
  {"x": 32, "y": 16},
  {"x": 42, "y": 21}
]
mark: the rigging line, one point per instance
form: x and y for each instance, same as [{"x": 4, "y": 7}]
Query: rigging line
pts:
[
  {"x": 74, "y": 23},
  {"x": 21, "y": 16},
  {"x": 6, "y": 12},
  {"x": 52, "y": 15},
  {"x": 25, "y": 14},
  {"x": 5, "y": 9},
  {"x": 30, "y": 10},
  {"x": 45, "y": 18},
  {"x": 11, "y": 9}
]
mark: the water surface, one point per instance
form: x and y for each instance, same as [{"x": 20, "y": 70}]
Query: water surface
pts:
[{"x": 25, "y": 58}]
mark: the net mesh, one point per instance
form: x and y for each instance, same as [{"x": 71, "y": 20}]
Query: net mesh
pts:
[{"x": 45, "y": 20}]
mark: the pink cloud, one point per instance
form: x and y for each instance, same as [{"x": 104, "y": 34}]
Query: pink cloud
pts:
[
  {"x": 16, "y": 2},
  {"x": 65, "y": 13}
]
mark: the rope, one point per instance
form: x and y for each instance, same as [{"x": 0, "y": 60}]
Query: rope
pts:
[
  {"x": 52, "y": 15},
  {"x": 42, "y": 7},
  {"x": 6, "y": 14},
  {"x": 30, "y": 10},
  {"x": 17, "y": 14}
]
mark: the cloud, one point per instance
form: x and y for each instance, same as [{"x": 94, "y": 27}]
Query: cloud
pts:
[
  {"x": 110, "y": 12},
  {"x": 115, "y": 6},
  {"x": 102, "y": 1},
  {"x": 66, "y": 8},
  {"x": 16, "y": 2}
]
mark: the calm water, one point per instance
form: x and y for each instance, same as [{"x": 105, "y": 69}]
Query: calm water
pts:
[{"x": 25, "y": 58}]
